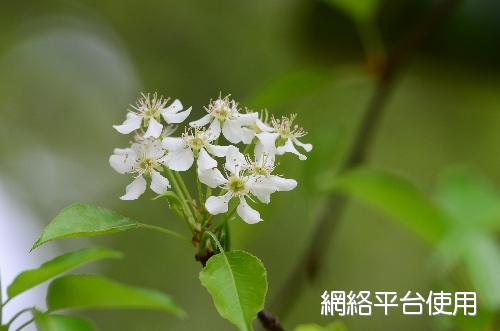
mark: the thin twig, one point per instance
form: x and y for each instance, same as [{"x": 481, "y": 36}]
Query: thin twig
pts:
[{"x": 312, "y": 261}]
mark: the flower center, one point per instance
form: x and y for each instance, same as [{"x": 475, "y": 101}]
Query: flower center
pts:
[
  {"x": 236, "y": 185},
  {"x": 147, "y": 164},
  {"x": 286, "y": 129},
  {"x": 261, "y": 171},
  {"x": 222, "y": 112},
  {"x": 152, "y": 112},
  {"x": 196, "y": 143}
]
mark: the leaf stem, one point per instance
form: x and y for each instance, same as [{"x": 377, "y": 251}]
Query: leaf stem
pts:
[
  {"x": 5, "y": 303},
  {"x": 214, "y": 237},
  {"x": 164, "y": 230}
]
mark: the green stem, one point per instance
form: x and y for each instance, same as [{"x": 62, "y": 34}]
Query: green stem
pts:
[
  {"x": 227, "y": 237},
  {"x": 5, "y": 303},
  {"x": 183, "y": 187},
  {"x": 187, "y": 211},
  {"x": 214, "y": 237},
  {"x": 191, "y": 201},
  {"x": 247, "y": 149},
  {"x": 227, "y": 217},
  {"x": 200, "y": 193},
  {"x": 164, "y": 230}
]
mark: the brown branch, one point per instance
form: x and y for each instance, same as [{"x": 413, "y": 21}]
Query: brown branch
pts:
[
  {"x": 312, "y": 261},
  {"x": 268, "y": 320}
]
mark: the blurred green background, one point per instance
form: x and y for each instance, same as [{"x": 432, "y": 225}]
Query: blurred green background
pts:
[{"x": 68, "y": 70}]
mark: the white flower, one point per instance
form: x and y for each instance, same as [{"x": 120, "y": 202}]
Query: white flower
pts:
[
  {"x": 244, "y": 180},
  {"x": 149, "y": 111},
  {"x": 282, "y": 138},
  {"x": 142, "y": 159},
  {"x": 182, "y": 151},
  {"x": 262, "y": 167},
  {"x": 224, "y": 117}
]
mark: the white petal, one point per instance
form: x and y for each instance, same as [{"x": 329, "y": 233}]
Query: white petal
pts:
[
  {"x": 175, "y": 107},
  {"x": 123, "y": 160},
  {"x": 306, "y": 147},
  {"x": 154, "y": 129},
  {"x": 155, "y": 149},
  {"x": 233, "y": 132},
  {"x": 179, "y": 160},
  {"x": 205, "y": 161},
  {"x": 247, "y": 135},
  {"x": 176, "y": 117},
  {"x": 247, "y": 214},
  {"x": 284, "y": 184},
  {"x": 133, "y": 122},
  {"x": 247, "y": 119},
  {"x": 173, "y": 144},
  {"x": 214, "y": 130},
  {"x": 290, "y": 148},
  {"x": 262, "y": 188},
  {"x": 211, "y": 177},
  {"x": 263, "y": 126},
  {"x": 201, "y": 122},
  {"x": 218, "y": 205},
  {"x": 265, "y": 160},
  {"x": 135, "y": 189},
  {"x": 159, "y": 184},
  {"x": 268, "y": 142},
  {"x": 219, "y": 151},
  {"x": 235, "y": 161}
]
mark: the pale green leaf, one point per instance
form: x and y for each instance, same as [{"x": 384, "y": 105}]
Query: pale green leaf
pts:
[
  {"x": 51, "y": 322},
  {"x": 31, "y": 278},
  {"x": 84, "y": 220},
  {"x": 358, "y": 10},
  {"x": 470, "y": 200},
  {"x": 237, "y": 282},
  {"x": 93, "y": 292},
  {"x": 289, "y": 87},
  {"x": 398, "y": 198},
  {"x": 482, "y": 260},
  {"x": 335, "y": 326}
]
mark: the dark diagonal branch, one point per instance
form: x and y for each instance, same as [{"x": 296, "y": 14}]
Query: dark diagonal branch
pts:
[{"x": 312, "y": 261}]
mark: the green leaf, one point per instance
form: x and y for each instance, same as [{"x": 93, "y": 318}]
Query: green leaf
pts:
[
  {"x": 93, "y": 292},
  {"x": 50, "y": 322},
  {"x": 335, "y": 326},
  {"x": 84, "y": 220},
  {"x": 237, "y": 282},
  {"x": 482, "y": 260},
  {"x": 470, "y": 200},
  {"x": 358, "y": 10},
  {"x": 29, "y": 279},
  {"x": 398, "y": 198},
  {"x": 288, "y": 87}
]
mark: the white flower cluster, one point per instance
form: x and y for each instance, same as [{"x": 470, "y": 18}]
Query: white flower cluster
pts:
[{"x": 243, "y": 177}]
